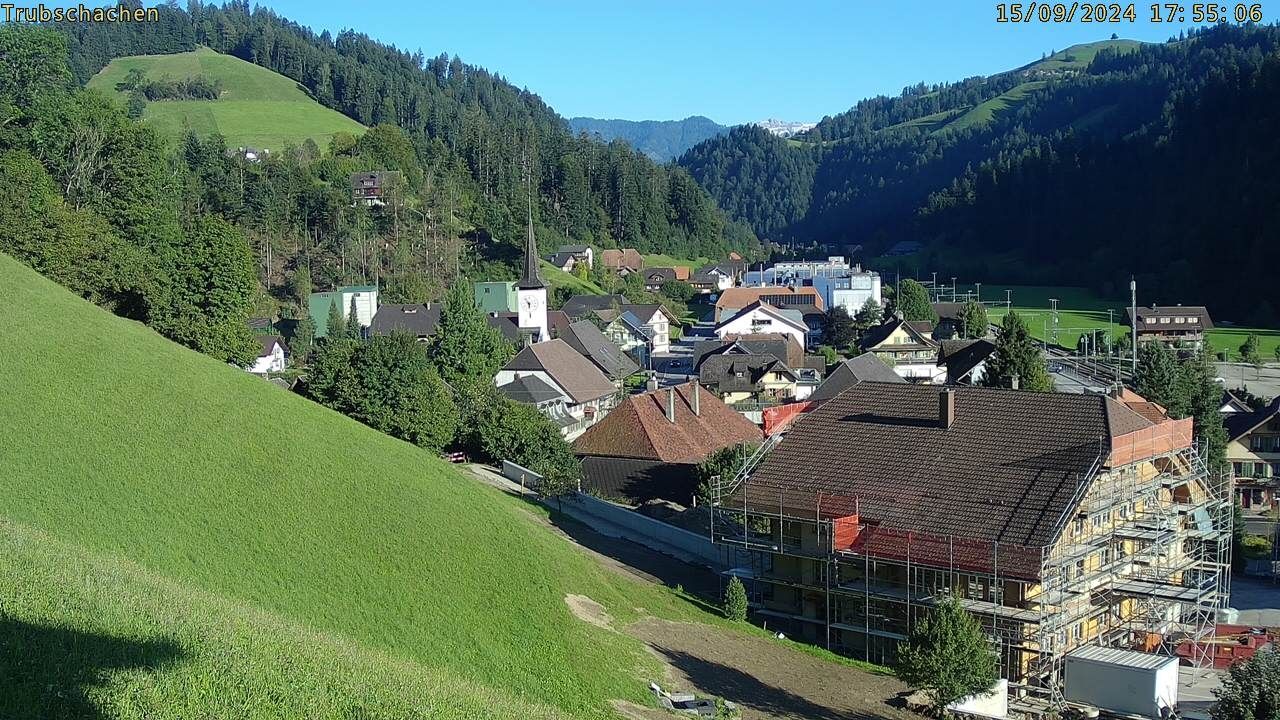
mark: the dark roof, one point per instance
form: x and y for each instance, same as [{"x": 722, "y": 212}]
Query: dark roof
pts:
[
  {"x": 864, "y": 368},
  {"x": 268, "y": 343},
  {"x": 580, "y": 306},
  {"x": 960, "y": 357},
  {"x": 639, "y": 481},
  {"x": 417, "y": 320},
  {"x": 1007, "y": 470},
  {"x": 529, "y": 390},
  {"x": 778, "y": 345},
  {"x": 644, "y": 311},
  {"x": 529, "y": 278},
  {"x": 574, "y": 249},
  {"x": 948, "y": 310},
  {"x": 1240, "y": 424},
  {"x": 881, "y": 332},
  {"x": 1198, "y": 312},
  {"x": 740, "y": 373},
  {"x": 659, "y": 275},
  {"x": 507, "y": 323},
  {"x": 587, "y": 339},
  {"x": 560, "y": 259},
  {"x": 579, "y": 377},
  {"x": 703, "y": 274},
  {"x": 639, "y": 429}
]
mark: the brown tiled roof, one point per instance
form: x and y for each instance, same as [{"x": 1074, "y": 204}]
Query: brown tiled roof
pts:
[
  {"x": 1198, "y": 313},
  {"x": 639, "y": 428},
  {"x": 1005, "y": 471},
  {"x": 579, "y": 377},
  {"x": 740, "y": 297},
  {"x": 626, "y": 257}
]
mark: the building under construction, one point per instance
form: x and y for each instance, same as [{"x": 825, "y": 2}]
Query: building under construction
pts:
[{"x": 1057, "y": 520}]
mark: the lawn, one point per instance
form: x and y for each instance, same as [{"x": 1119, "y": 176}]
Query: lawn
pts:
[
  {"x": 669, "y": 261},
  {"x": 154, "y": 495},
  {"x": 257, "y": 108},
  {"x": 555, "y": 277}
]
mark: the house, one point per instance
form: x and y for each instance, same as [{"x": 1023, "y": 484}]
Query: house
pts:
[
  {"x": 749, "y": 383},
  {"x": 1058, "y": 520},
  {"x": 508, "y": 323},
  {"x": 907, "y": 347},
  {"x": 580, "y": 253},
  {"x": 761, "y": 317},
  {"x": 1231, "y": 404},
  {"x": 582, "y": 307},
  {"x": 649, "y": 446},
  {"x": 657, "y": 322},
  {"x": 626, "y": 260},
  {"x": 373, "y": 188},
  {"x": 416, "y": 319},
  {"x": 964, "y": 361},
  {"x": 562, "y": 261},
  {"x": 734, "y": 299},
  {"x": 629, "y": 333},
  {"x": 711, "y": 279},
  {"x": 592, "y": 344},
  {"x": 863, "y": 368},
  {"x": 1172, "y": 324},
  {"x": 655, "y": 278},
  {"x": 1253, "y": 450},
  {"x": 586, "y": 394},
  {"x": 363, "y": 297},
  {"x": 814, "y": 320},
  {"x": 250, "y": 154},
  {"x": 496, "y": 296},
  {"x": 782, "y": 346},
  {"x": 270, "y": 357},
  {"x": 950, "y": 325}
]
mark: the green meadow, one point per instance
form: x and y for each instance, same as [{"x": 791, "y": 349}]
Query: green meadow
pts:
[
  {"x": 182, "y": 539},
  {"x": 257, "y": 108}
]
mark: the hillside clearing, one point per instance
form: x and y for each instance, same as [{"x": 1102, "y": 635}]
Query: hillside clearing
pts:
[{"x": 257, "y": 107}]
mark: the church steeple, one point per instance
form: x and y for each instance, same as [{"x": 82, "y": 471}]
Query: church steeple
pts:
[{"x": 530, "y": 279}]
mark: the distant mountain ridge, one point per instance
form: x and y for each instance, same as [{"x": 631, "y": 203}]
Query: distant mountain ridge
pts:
[{"x": 661, "y": 140}]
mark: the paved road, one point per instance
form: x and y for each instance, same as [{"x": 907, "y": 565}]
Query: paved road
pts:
[{"x": 1264, "y": 382}]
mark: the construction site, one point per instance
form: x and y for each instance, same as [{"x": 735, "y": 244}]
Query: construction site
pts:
[{"x": 1099, "y": 527}]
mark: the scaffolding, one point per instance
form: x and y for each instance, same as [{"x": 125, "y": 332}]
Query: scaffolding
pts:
[{"x": 1142, "y": 562}]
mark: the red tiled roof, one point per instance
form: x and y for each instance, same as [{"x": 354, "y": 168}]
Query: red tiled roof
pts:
[
  {"x": 639, "y": 428},
  {"x": 740, "y": 297}
]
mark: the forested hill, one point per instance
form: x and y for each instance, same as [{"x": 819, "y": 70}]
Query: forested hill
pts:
[
  {"x": 661, "y": 140},
  {"x": 471, "y": 131},
  {"x": 1095, "y": 163}
]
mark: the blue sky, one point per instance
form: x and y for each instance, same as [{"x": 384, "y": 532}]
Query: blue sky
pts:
[{"x": 731, "y": 61}]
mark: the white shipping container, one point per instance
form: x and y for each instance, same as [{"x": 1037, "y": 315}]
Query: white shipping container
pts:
[{"x": 1122, "y": 681}]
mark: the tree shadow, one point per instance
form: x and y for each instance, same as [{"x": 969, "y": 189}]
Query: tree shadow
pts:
[
  {"x": 44, "y": 671},
  {"x": 748, "y": 691}
]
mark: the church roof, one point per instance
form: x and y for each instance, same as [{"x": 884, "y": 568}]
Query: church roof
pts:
[{"x": 529, "y": 279}]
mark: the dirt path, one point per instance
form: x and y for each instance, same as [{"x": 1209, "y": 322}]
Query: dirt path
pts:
[{"x": 766, "y": 679}]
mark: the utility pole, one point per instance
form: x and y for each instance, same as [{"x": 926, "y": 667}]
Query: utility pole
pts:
[
  {"x": 1133, "y": 323},
  {"x": 979, "y": 288},
  {"x": 1053, "y": 315},
  {"x": 953, "y": 289}
]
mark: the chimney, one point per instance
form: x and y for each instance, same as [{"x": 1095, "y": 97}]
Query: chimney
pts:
[
  {"x": 671, "y": 404},
  {"x": 946, "y": 408},
  {"x": 652, "y": 382},
  {"x": 1014, "y": 382},
  {"x": 694, "y": 404}
]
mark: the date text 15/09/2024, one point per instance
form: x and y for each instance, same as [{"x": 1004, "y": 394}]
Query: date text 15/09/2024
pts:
[{"x": 1060, "y": 12}]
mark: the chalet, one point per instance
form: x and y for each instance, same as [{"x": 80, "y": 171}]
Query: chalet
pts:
[
  {"x": 906, "y": 346},
  {"x": 586, "y": 394},
  {"x": 657, "y": 322},
  {"x": 964, "y": 361},
  {"x": 711, "y": 279},
  {"x": 580, "y": 254},
  {"x": 364, "y": 298},
  {"x": 950, "y": 323},
  {"x": 373, "y": 187},
  {"x": 749, "y": 383},
  {"x": 649, "y": 446},
  {"x": 761, "y": 317},
  {"x": 1253, "y": 450},
  {"x": 562, "y": 261},
  {"x": 271, "y": 355},
  {"x": 784, "y": 347},
  {"x": 416, "y": 319},
  {"x": 1172, "y": 324},
  {"x": 582, "y": 307},
  {"x": 592, "y": 344},
  {"x": 629, "y": 333},
  {"x": 1057, "y": 520},
  {"x": 606, "y": 309},
  {"x": 624, "y": 261},
  {"x": 734, "y": 299},
  {"x": 655, "y": 278}
]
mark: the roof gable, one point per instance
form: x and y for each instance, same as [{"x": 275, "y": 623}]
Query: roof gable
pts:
[{"x": 579, "y": 377}]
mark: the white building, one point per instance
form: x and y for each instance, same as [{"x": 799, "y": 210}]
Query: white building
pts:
[
  {"x": 761, "y": 317},
  {"x": 531, "y": 296},
  {"x": 850, "y": 291},
  {"x": 270, "y": 357},
  {"x": 365, "y": 298}
]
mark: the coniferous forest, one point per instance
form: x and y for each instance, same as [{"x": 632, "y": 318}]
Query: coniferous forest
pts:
[{"x": 1153, "y": 160}]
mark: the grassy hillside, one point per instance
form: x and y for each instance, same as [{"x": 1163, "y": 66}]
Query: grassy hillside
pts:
[
  {"x": 555, "y": 277},
  {"x": 257, "y": 108},
  {"x": 1078, "y": 57},
  {"x": 203, "y": 487}
]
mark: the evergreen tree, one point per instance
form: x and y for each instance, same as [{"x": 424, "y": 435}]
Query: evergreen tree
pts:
[
  {"x": 304, "y": 336},
  {"x": 1157, "y": 378},
  {"x": 466, "y": 348},
  {"x": 973, "y": 320},
  {"x": 869, "y": 315},
  {"x": 353, "y": 329},
  {"x": 1251, "y": 690},
  {"x": 1249, "y": 350},
  {"x": 136, "y": 105},
  {"x": 914, "y": 303},
  {"x": 838, "y": 329},
  {"x": 1016, "y": 355},
  {"x": 735, "y": 600},
  {"x": 1203, "y": 397},
  {"x": 335, "y": 326},
  {"x": 947, "y": 655}
]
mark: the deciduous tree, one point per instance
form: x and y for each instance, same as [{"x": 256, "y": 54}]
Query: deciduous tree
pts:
[
  {"x": 838, "y": 329},
  {"x": 913, "y": 302},
  {"x": 973, "y": 320},
  {"x": 1251, "y": 690},
  {"x": 1016, "y": 355}
]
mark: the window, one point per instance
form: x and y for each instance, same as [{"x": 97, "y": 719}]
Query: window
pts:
[
  {"x": 1079, "y": 527},
  {"x": 1164, "y": 321},
  {"x": 1180, "y": 320},
  {"x": 1098, "y": 520},
  {"x": 1237, "y": 469},
  {"x": 1151, "y": 321}
]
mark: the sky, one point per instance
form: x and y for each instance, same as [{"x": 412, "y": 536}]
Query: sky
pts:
[{"x": 734, "y": 61}]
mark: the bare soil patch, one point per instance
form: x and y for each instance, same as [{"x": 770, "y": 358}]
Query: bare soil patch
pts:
[
  {"x": 588, "y": 610},
  {"x": 769, "y": 681}
]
